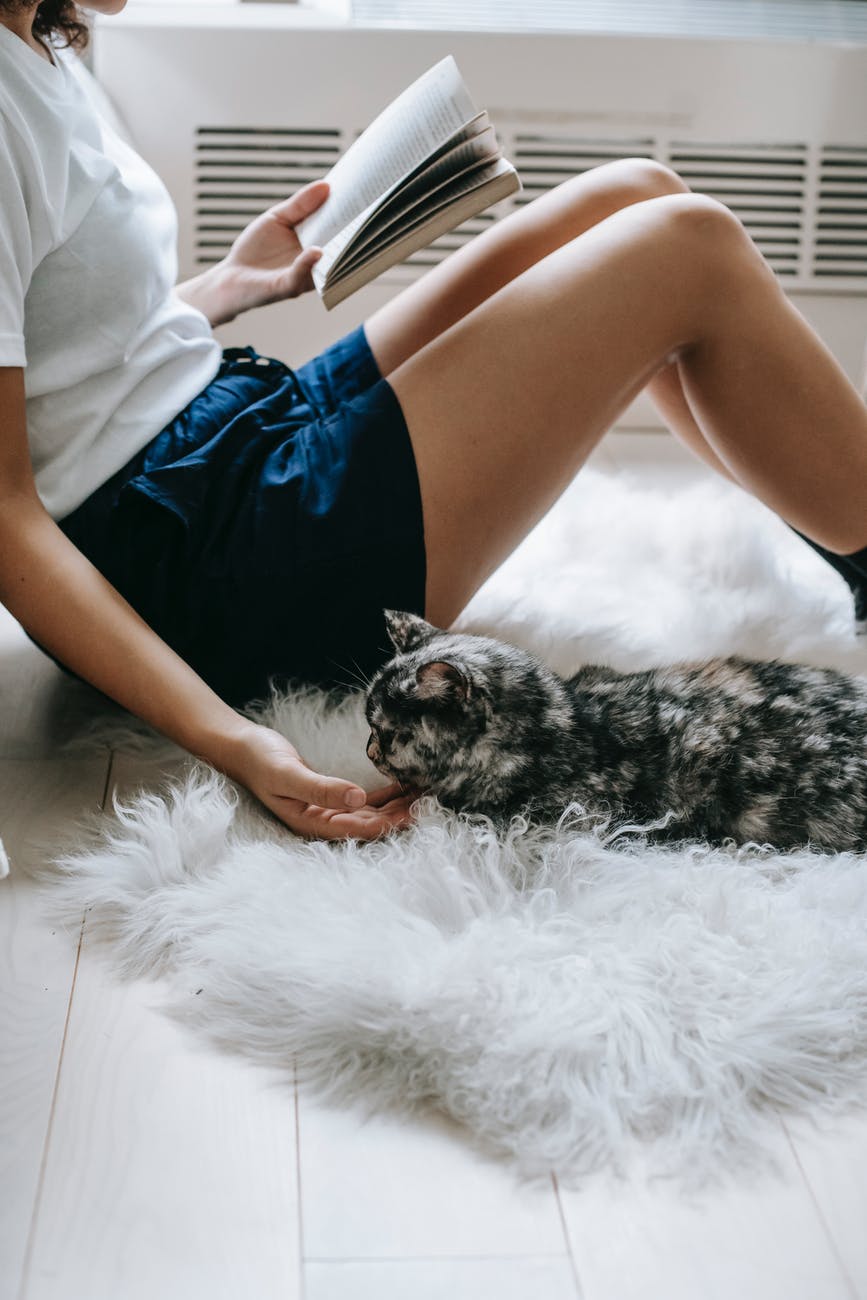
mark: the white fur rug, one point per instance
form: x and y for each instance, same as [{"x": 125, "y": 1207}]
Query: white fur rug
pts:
[{"x": 561, "y": 993}]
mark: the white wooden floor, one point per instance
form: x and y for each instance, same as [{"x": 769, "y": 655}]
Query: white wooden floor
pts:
[{"x": 136, "y": 1164}]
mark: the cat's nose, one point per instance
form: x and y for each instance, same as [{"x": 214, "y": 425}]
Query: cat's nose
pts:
[{"x": 373, "y": 749}]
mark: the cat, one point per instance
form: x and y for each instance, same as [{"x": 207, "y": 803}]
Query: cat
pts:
[{"x": 729, "y": 749}]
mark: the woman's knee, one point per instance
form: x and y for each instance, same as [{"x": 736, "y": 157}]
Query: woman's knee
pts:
[
  {"x": 705, "y": 238},
  {"x": 600, "y": 192},
  {"x": 636, "y": 179}
]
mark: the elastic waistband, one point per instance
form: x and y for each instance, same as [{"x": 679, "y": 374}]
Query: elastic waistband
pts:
[
  {"x": 250, "y": 357},
  {"x": 252, "y": 363}
]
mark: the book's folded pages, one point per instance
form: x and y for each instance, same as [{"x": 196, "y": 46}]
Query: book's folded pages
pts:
[{"x": 428, "y": 162}]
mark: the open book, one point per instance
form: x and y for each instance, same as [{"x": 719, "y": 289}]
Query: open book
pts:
[{"x": 427, "y": 163}]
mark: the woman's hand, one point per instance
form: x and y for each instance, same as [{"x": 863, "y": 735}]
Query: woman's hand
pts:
[
  {"x": 319, "y": 807},
  {"x": 265, "y": 264}
]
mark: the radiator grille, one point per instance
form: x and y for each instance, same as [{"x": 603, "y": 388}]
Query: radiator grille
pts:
[
  {"x": 840, "y": 244},
  {"x": 805, "y": 207},
  {"x": 764, "y": 185},
  {"x": 240, "y": 171},
  {"x": 543, "y": 161}
]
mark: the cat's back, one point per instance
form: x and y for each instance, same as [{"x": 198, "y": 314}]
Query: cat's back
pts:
[
  {"x": 740, "y": 748},
  {"x": 727, "y": 699},
  {"x": 782, "y": 693}
]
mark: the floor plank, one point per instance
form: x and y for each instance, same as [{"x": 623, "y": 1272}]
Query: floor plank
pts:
[
  {"x": 395, "y": 1188},
  {"x": 834, "y": 1163},
  {"x": 38, "y": 801},
  {"x": 763, "y": 1240},
  {"x": 465, "y": 1279},
  {"x": 171, "y": 1169}
]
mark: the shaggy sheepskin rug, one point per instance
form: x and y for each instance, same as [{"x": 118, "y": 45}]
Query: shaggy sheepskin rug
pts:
[{"x": 567, "y": 993}]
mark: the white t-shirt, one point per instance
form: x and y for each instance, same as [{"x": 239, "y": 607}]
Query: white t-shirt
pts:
[{"x": 88, "y": 263}]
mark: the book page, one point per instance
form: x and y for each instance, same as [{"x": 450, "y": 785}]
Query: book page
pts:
[
  {"x": 396, "y": 199},
  {"x": 447, "y": 199},
  {"x": 413, "y": 126},
  {"x": 422, "y": 190},
  {"x": 335, "y": 248},
  {"x": 504, "y": 181},
  {"x": 344, "y": 242},
  {"x": 382, "y": 208}
]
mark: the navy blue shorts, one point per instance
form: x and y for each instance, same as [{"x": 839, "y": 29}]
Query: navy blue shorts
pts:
[{"x": 262, "y": 533}]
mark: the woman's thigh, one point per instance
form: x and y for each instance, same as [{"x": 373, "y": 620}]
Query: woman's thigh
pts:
[
  {"x": 504, "y": 406},
  {"x": 508, "y": 248}
]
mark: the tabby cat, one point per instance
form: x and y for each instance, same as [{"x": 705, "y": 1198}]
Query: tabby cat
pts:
[{"x": 729, "y": 749}]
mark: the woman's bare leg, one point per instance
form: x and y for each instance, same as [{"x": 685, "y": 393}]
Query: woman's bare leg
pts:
[
  {"x": 474, "y": 272},
  {"x": 666, "y": 392},
  {"x": 447, "y": 293},
  {"x": 504, "y": 405}
]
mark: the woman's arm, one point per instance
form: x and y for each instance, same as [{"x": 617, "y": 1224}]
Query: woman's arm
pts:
[
  {"x": 265, "y": 264},
  {"x": 66, "y": 604}
]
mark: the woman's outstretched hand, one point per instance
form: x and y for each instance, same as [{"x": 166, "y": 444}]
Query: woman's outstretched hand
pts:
[{"x": 318, "y": 807}]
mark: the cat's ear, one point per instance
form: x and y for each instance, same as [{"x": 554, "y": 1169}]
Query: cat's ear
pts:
[
  {"x": 407, "y": 631},
  {"x": 442, "y": 681}
]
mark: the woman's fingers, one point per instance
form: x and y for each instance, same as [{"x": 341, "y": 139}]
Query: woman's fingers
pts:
[
  {"x": 325, "y": 791},
  {"x": 288, "y": 779},
  {"x": 298, "y": 278},
  {"x": 302, "y": 202},
  {"x": 368, "y": 824},
  {"x": 318, "y": 820}
]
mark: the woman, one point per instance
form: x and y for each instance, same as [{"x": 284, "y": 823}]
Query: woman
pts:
[{"x": 177, "y": 524}]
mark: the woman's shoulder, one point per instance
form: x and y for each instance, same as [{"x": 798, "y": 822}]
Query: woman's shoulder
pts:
[
  {"x": 46, "y": 122},
  {"x": 25, "y": 75},
  {"x": 29, "y": 102},
  {"x": 39, "y": 98}
]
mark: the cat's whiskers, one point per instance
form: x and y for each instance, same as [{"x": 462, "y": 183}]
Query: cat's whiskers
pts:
[{"x": 358, "y": 677}]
